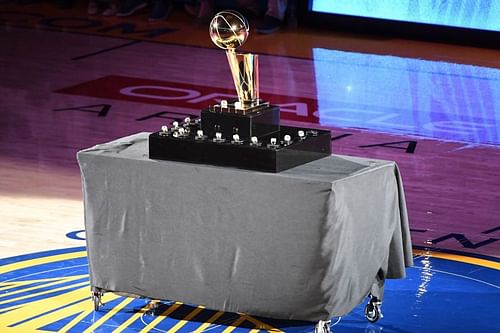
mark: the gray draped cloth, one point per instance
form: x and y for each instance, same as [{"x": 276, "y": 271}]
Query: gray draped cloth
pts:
[{"x": 308, "y": 243}]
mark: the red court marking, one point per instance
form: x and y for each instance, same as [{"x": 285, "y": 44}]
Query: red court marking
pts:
[{"x": 184, "y": 95}]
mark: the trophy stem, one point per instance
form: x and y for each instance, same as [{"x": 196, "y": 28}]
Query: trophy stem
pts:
[{"x": 245, "y": 72}]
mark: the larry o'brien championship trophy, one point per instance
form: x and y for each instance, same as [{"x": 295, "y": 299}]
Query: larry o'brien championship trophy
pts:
[{"x": 244, "y": 132}]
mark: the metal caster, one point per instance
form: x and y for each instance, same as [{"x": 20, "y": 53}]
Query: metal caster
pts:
[
  {"x": 152, "y": 306},
  {"x": 323, "y": 326},
  {"x": 97, "y": 299},
  {"x": 372, "y": 309}
]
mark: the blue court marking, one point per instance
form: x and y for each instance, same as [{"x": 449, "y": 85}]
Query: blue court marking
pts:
[
  {"x": 438, "y": 295},
  {"x": 76, "y": 235}
]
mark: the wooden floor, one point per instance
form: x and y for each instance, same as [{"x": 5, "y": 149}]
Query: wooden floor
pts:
[{"x": 62, "y": 76}]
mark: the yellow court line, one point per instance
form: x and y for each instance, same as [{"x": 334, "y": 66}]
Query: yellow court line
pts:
[
  {"x": 45, "y": 292},
  {"x": 161, "y": 317},
  {"x": 88, "y": 309},
  {"x": 108, "y": 315},
  {"x": 460, "y": 258},
  {"x": 262, "y": 325},
  {"x": 11, "y": 308},
  {"x": 40, "y": 261},
  {"x": 40, "y": 310},
  {"x": 67, "y": 311},
  {"x": 235, "y": 324},
  {"x": 209, "y": 322},
  {"x": 60, "y": 280},
  {"x": 133, "y": 318},
  {"x": 16, "y": 330},
  {"x": 10, "y": 285},
  {"x": 15, "y": 284},
  {"x": 76, "y": 320},
  {"x": 184, "y": 321}
]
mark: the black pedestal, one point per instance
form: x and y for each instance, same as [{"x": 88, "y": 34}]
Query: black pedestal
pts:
[
  {"x": 258, "y": 121},
  {"x": 262, "y": 144},
  {"x": 245, "y": 155}
]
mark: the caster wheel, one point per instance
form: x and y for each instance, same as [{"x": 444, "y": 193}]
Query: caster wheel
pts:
[
  {"x": 152, "y": 306},
  {"x": 372, "y": 312},
  {"x": 322, "y": 327},
  {"x": 96, "y": 299}
]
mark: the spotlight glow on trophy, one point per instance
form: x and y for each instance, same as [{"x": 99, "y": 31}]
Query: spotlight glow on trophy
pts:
[{"x": 244, "y": 132}]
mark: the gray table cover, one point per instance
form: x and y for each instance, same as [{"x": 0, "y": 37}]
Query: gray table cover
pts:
[{"x": 308, "y": 243}]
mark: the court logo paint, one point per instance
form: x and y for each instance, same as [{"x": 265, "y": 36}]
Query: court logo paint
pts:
[
  {"x": 193, "y": 96},
  {"x": 50, "y": 292}
]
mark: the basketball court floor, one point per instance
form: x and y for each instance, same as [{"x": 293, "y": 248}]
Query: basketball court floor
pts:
[{"x": 69, "y": 81}]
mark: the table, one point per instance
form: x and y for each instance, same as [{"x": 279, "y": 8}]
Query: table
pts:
[{"x": 308, "y": 243}]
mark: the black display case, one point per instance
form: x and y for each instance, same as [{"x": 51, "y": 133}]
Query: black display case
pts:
[{"x": 248, "y": 139}]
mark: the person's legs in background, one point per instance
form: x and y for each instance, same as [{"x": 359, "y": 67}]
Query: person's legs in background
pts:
[
  {"x": 161, "y": 10},
  {"x": 273, "y": 18},
  {"x": 269, "y": 23},
  {"x": 112, "y": 9},
  {"x": 95, "y": 6},
  {"x": 92, "y": 7},
  {"x": 129, "y": 7},
  {"x": 202, "y": 11},
  {"x": 275, "y": 15}
]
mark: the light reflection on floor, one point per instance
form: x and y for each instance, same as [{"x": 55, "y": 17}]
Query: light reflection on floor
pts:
[{"x": 408, "y": 96}]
